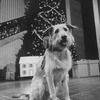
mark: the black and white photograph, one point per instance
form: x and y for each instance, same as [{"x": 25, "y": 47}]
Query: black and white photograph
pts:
[{"x": 49, "y": 49}]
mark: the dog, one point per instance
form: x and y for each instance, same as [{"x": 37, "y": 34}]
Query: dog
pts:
[{"x": 50, "y": 81}]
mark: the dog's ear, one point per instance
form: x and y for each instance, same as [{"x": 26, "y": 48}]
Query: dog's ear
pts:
[
  {"x": 47, "y": 38},
  {"x": 70, "y": 26},
  {"x": 49, "y": 31},
  {"x": 46, "y": 42}
]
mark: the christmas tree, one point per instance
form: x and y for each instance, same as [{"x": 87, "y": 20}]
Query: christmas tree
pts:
[{"x": 40, "y": 16}]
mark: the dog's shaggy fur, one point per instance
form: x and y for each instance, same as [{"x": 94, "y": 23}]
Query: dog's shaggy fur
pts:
[{"x": 50, "y": 81}]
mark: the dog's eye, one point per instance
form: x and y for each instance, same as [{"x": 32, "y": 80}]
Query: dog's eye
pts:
[
  {"x": 65, "y": 29},
  {"x": 57, "y": 31}
]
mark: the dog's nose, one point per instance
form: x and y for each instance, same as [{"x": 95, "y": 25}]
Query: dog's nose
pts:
[{"x": 64, "y": 38}]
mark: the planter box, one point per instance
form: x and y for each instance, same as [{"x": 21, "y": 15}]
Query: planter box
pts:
[
  {"x": 80, "y": 69},
  {"x": 85, "y": 68},
  {"x": 94, "y": 68},
  {"x": 10, "y": 76}
]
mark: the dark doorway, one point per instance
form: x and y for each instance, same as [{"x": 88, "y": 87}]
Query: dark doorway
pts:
[{"x": 89, "y": 29}]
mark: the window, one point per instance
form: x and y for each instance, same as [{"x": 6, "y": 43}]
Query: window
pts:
[
  {"x": 30, "y": 65},
  {"x": 24, "y": 66},
  {"x": 24, "y": 72}
]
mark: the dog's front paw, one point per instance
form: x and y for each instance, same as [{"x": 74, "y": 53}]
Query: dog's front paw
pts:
[{"x": 53, "y": 97}]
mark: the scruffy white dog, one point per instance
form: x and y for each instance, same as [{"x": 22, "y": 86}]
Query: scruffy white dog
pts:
[{"x": 50, "y": 81}]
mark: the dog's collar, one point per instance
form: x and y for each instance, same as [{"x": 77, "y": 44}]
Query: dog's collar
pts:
[
  {"x": 53, "y": 49},
  {"x": 57, "y": 49}
]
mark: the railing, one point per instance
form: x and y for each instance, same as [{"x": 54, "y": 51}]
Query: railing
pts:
[{"x": 12, "y": 27}]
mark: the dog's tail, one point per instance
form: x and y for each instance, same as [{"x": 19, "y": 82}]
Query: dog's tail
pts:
[{"x": 37, "y": 89}]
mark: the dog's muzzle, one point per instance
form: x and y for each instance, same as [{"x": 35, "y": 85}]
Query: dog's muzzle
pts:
[{"x": 63, "y": 40}]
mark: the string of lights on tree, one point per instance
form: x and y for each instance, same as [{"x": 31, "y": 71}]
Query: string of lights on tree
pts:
[{"x": 12, "y": 27}]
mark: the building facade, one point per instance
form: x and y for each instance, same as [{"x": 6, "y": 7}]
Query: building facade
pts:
[{"x": 28, "y": 65}]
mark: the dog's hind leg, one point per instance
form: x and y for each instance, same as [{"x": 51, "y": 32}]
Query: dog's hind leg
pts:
[{"x": 37, "y": 90}]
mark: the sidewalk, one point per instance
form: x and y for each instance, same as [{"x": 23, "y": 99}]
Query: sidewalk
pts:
[
  {"x": 80, "y": 89},
  {"x": 85, "y": 88}
]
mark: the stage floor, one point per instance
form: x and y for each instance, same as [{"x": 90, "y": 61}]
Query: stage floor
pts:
[{"x": 80, "y": 89}]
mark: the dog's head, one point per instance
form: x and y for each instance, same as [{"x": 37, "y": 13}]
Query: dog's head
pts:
[{"x": 60, "y": 37}]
